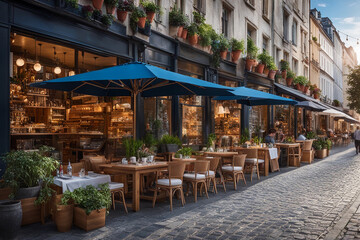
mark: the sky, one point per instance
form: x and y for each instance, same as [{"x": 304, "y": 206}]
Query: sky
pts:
[{"x": 345, "y": 15}]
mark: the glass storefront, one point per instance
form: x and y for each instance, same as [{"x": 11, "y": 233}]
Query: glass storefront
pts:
[
  {"x": 40, "y": 116},
  {"x": 158, "y": 115},
  {"x": 284, "y": 120}
]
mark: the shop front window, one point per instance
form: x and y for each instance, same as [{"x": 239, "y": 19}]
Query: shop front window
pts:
[
  {"x": 158, "y": 118},
  {"x": 300, "y": 121},
  {"x": 192, "y": 119},
  {"x": 284, "y": 120},
  {"x": 227, "y": 119}
]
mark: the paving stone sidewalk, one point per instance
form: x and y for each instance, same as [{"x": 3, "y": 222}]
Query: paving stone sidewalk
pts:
[{"x": 302, "y": 203}]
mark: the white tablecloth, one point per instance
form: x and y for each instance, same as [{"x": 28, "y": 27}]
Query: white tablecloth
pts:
[
  {"x": 273, "y": 153},
  {"x": 77, "y": 182}
]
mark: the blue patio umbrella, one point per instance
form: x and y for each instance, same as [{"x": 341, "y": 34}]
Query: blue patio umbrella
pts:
[
  {"x": 132, "y": 79},
  {"x": 254, "y": 97}
]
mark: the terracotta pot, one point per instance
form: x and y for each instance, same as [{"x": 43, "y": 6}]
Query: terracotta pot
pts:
[
  {"x": 150, "y": 16},
  {"x": 235, "y": 55},
  {"x": 272, "y": 74},
  {"x": 298, "y": 87},
  {"x": 266, "y": 71},
  {"x": 110, "y": 10},
  {"x": 306, "y": 88},
  {"x": 121, "y": 15},
  {"x": 97, "y": 4},
  {"x": 260, "y": 68},
  {"x": 249, "y": 64},
  {"x": 316, "y": 95},
  {"x": 180, "y": 30},
  {"x": 141, "y": 22},
  {"x": 223, "y": 54},
  {"x": 64, "y": 217},
  {"x": 193, "y": 39},
  {"x": 96, "y": 219},
  {"x": 283, "y": 74},
  {"x": 289, "y": 81},
  {"x": 184, "y": 34}
]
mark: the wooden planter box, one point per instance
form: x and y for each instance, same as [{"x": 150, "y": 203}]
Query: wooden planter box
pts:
[
  {"x": 307, "y": 156},
  {"x": 64, "y": 217},
  {"x": 96, "y": 219},
  {"x": 30, "y": 212},
  {"x": 4, "y": 193},
  {"x": 321, "y": 153}
]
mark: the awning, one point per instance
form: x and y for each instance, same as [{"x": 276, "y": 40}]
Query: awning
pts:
[
  {"x": 252, "y": 97},
  {"x": 292, "y": 92},
  {"x": 337, "y": 114},
  {"x": 309, "y": 105}
]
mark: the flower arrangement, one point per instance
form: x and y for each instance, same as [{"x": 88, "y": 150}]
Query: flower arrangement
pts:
[
  {"x": 289, "y": 139},
  {"x": 185, "y": 152},
  {"x": 126, "y": 5}
]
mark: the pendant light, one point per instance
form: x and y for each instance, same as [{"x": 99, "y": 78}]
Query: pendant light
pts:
[
  {"x": 57, "y": 69},
  {"x": 37, "y": 65},
  {"x": 20, "y": 61},
  {"x": 71, "y": 73}
]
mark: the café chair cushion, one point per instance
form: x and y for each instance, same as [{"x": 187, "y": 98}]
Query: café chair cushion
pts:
[
  {"x": 192, "y": 176},
  {"x": 231, "y": 168},
  {"x": 166, "y": 182},
  {"x": 261, "y": 160},
  {"x": 211, "y": 173},
  {"x": 115, "y": 185}
]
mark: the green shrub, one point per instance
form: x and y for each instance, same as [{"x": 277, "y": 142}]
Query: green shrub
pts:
[
  {"x": 252, "y": 49},
  {"x": 300, "y": 80},
  {"x": 311, "y": 135},
  {"x": 168, "y": 139},
  {"x": 263, "y": 58},
  {"x": 206, "y": 34},
  {"x": 211, "y": 139},
  {"x": 237, "y": 45},
  {"x": 198, "y": 18},
  {"x": 176, "y": 17},
  {"x": 271, "y": 65},
  {"x": 132, "y": 147},
  {"x": 111, "y": 3},
  {"x": 107, "y": 19},
  {"x": 150, "y": 6},
  {"x": 284, "y": 65},
  {"x": 185, "y": 152},
  {"x": 290, "y": 74},
  {"x": 192, "y": 29}
]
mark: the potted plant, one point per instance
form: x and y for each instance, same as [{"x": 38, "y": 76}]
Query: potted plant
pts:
[
  {"x": 237, "y": 47},
  {"x": 65, "y": 212},
  {"x": 87, "y": 12},
  {"x": 263, "y": 58},
  {"x": 123, "y": 8},
  {"x": 314, "y": 39},
  {"x": 185, "y": 152},
  {"x": 245, "y": 136},
  {"x": 97, "y": 4},
  {"x": 206, "y": 35},
  {"x": 185, "y": 32},
  {"x": 223, "y": 46},
  {"x": 306, "y": 86},
  {"x": 290, "y": 75},
  {"x": 284, "y": 67},
  {"x": 328, "y": 145},
  {"x": 211, "y": 141},
  {"x": 289, "y": 139},
  {"x": 132, "y": 147},
  {"x": 170, "y": 143},
  {"x": 336, "y": 103},
  {"x": 177, "y": 21},
  {"x": 311, "y": 135},
  {"x": 316, "y": 93},
  {"x": 320, "y": 148},
  {"x": 272, "y": 70},
  {"x": 10, "y": 219},
  {"x": 143, "y": 153},
  {"x": 71, "y": 4},
  {"x": 151, "y": 9},
  {"x": 137, "y": 19},
  {"x": 252, "y": 51},
  {"x": 111, "y": 6},
  {"x": 91, "y": 206},
  {"x": 300, "y": 82},
  {"x": 107, "y": 19},
  {"x": 192, "y": 32}
]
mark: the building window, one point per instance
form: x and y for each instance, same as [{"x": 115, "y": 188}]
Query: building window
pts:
[
  {"x": 225, "y": 21},
  {"x": 294, "y": 33},
  {"x": 286, "y": 25},
  {"x": 200, "y": 6},
  {"x": 286, "y": 56},
  {"x": 266, "y": 8},
  {"x": 265, "y": 43},
  {"x": 251, "y": 32},
  {"x": 251, "y": 3},
  {"x": 306, "y": 71},
  {"x": 303, "y": 42},
  {"x": 277, "y": 57},
  {"x": 295, "y": 66},
  {"x": 158, "y": 15}
]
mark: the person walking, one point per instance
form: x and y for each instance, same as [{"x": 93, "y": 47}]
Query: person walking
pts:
[{"x": 357, "y": 139}]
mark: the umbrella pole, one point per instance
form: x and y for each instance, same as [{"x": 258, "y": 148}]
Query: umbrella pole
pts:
[{"x": 134, "y": 114}]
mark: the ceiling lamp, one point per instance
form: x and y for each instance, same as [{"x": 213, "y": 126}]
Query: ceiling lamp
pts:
[
  {"x": 57, "y": 69},
  {"x": 20, "y": 62},
  {"x": 71, "y": 73},
  {"x": 37, "y": 65}
]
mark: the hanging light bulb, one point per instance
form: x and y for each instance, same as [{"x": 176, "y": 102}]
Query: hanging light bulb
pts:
[
  {"x": 57, "y": 69},
  {"x": 20, "y": 62},
  {"x": 37, "y": 65},
  {"x": 71, "y": 73}
]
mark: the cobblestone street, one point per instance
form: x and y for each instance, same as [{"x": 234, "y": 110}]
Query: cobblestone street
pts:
[{"x": 297, "y": 203}]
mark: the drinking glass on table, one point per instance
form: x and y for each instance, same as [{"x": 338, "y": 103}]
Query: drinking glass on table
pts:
[{"x": 82, "y": 173}]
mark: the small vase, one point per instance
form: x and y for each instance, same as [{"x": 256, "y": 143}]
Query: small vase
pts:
[
  {"x": 235, "y": 55},
  {"x": 223, "y": 54},
  {"x": 150, "y": 16},
  {"x": 141, "y": 22},
  {"x": 121, "y": 15}
]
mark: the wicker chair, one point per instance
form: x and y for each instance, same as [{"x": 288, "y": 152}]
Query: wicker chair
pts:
[
  {"x": 201, "y": 170},
  {"x": 172, "y": 183},
  {"x": 252, "y": 161},
  {"x": 307, "y": 151},
  {"x": 211, "y": 177},
  {"x": 232, "y": 172}
]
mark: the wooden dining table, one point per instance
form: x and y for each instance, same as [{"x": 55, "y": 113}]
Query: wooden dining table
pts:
[
  {"x": 268, "y": 162},
  {"x": 293, "y": 151},
  {"x": 135, "y": 171}
]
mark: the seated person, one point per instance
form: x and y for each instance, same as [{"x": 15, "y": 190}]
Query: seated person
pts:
[
  {"x": 302, "y": 137},
  {"x": 270, "y": 138}
]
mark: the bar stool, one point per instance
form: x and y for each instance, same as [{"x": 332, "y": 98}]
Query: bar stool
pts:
[{"x": 117, "y": 188}]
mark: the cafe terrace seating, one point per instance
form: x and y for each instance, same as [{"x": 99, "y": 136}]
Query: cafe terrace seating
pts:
[
  {"x": 201, "y": 168},
  {"x": 235, "y": 170},
  {"x": 252, "y": 160}
]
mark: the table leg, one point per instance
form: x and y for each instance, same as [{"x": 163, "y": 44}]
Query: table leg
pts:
[
  {"x": 288, "y": 153},
  {"x": 136, "y": 192},
  {"x": 266, "y": 162}
]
